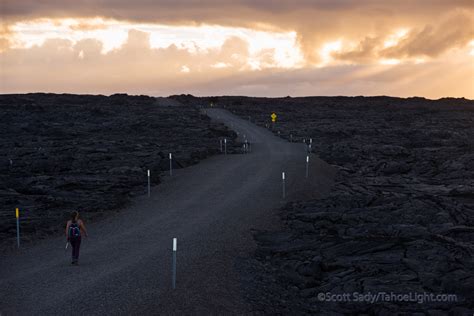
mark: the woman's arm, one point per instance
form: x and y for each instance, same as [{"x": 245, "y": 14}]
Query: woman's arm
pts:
[
  {"x": 83, "y": 228},
  {"x": 67, "y": 229}
]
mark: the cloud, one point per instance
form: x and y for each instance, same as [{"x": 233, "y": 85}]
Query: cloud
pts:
[
  {"x": 364, "y": 52},
  {"x": 431, "y": 41},
  {"x": 200, "y": 10},
  {"x": 135, "y": 66},
  {"x": 315, "y": 21},
  {"x": 365, "y": 31},
  {"x": 92, "y": 26},
  {"x": 5, "y": 35},
  {"x": 91, "y": 49},
  {"x": 61, "y": 65},
  {"x": 351, "y": 80},
  {"x": 455, "y": 31}
]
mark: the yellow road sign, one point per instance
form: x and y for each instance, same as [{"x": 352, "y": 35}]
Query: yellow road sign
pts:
[
  {"x": 17, "y": 212},
  {"x": 274, "y": 117}
]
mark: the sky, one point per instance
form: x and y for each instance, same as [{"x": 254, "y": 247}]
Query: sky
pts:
[{"x": 241, "y": 47}]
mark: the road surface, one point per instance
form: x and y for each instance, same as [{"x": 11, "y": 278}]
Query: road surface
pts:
[{"x": 125, "y": 264}]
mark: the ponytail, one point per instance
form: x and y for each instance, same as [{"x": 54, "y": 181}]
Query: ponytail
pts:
[{"x": 74, "y": 215}]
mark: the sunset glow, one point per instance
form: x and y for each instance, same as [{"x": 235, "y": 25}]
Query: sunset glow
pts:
[
  {"x": 394, "y": 39},
  {"x": 237, "y": 52}
]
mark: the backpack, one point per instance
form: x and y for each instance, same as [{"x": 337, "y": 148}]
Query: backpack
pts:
[{"x": 74, "y": 230}]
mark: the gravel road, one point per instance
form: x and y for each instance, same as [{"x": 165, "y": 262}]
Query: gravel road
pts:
[{"x": 125, "y": 265}]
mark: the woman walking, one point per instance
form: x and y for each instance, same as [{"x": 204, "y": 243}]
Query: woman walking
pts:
[{"x": 74, "y": 228}]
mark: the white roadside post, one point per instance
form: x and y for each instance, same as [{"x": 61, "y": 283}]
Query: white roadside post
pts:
[
  {"x": 173, "y": 278},
  {"x": 148, "y": 173},
  {"x": 225, "y": 146},
  {"x": 307, "y": 165},
  {"x": 310, "y": 144},
  {"x": 171, "y": 165},
  {"x": 283, "y": 184},
  {"x": 291, "y": 138},
  {"x": 17, "y": 215}
]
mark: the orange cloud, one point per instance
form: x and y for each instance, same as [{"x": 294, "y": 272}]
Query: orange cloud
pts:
[
  {"x": 87, "y": 26},
  {"x": 454, "y": 32},
  {"x": 5, "y": 35},
  {"x": 348, "y": 40},
  {"x": 63, "y": 66},
  {"x": 315, "y": 21}
]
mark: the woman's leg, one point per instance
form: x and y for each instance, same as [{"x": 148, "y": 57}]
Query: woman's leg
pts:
[
  {"x": 75, "y": 245},
  {"x": 78, "y": 246},
  {"x": 72, "y": 242}
]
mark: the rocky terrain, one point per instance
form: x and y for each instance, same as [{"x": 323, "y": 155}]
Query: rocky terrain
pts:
[
  {"x": 400, "y": 218},
  {"x": 90, "y": 153}
]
